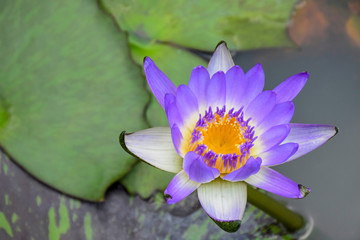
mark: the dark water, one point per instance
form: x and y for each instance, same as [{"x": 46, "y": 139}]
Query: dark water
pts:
[{"x": 331, "y": 96}]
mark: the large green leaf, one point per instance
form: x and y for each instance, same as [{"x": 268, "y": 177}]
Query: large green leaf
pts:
[
  {"x": 68, "y": 87},
  {"x": 145, "y": 179},
  {"x": 244, "y": 24}
]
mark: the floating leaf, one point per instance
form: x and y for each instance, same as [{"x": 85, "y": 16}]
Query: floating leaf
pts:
[
  {"x": 67, "y": 88},
  {"x": 145, "y": 179},
  {"x": 244, "y": 24}
]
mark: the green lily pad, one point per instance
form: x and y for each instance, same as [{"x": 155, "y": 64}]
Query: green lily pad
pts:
[
  {"x": 67, "y": 88},
  {"x": 145, "y": 179},
  {"x": 244, "y": 24}
]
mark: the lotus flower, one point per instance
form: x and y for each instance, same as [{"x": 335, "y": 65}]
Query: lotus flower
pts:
[{"x": 226, "y": 132}]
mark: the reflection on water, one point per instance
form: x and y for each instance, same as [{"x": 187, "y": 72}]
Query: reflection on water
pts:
[{"x": 329, "y": 34}]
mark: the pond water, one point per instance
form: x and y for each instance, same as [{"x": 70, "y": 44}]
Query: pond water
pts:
[{"x": 331, "y": 96}]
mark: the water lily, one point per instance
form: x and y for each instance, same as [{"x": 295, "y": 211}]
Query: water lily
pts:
[{"x": 226, "y": 132}]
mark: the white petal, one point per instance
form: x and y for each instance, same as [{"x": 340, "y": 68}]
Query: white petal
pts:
[
  {"x": 221, "y": 60},
  {"x": 223, "y": 200},
  {"x": 154, "y": 146}
]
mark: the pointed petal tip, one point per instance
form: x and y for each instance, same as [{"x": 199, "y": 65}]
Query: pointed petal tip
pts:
[
  {"x": 122, "y": 143},
  {"x": 221, "y": 59},
  {"x": 258, "y": 65},
  {"x": 147, "y": 61},
  {"x": 122, "y": 138},
  {"x": 237, "y": 67},
  {"x": 257, "y": 69},
  {"x": 304, "y": 191},
  {"x": 303, "y": 76},
  {"x": 221, "y": 74},
  {"x": 221, "y": 43},
  {"x": 158, "y": 82},
  {"x": 336, "y": 131},
  {"x": 168, "y": 198},
  {"x": 179, "y": 188},
  {"x": 199, "y": 67},
  {"x": 291, "y": 87},
  {"x": 228, "y": 226},
  {"x": 306, "y": 74},
  {"x": 309, "y": 137}
]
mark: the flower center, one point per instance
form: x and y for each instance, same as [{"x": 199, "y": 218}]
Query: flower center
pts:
[{"x": 223, "y": 138}]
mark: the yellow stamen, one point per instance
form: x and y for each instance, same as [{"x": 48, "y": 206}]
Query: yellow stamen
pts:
[{"x": 222, "y": 136}]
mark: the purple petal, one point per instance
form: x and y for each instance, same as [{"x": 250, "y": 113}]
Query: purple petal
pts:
[
  {"x": 288, "y": 89},
  {"x": 270, "y": 138},
  {"x": 274, "y": 182},
  {"x": 187, "y": 103},
  {"x": 255, "y": 78},
  {"x": 198, "y": 82},
  {"x": 177, "y": 138},
  {"x": 216, "y": 92},
  {"x": 235, "y": 87},
  {"x": 179, "y": 188},
  {"x": 169, "y": 99},
  {"x": 252, "y": 166},
  {"x": 280, "y": 114},
  {"x": 278, "y": 154},
  {"x": 221, "y": 60},
  {"x": 309, "y": 137},
  {"x": 159, "y": 83},
  {"x": 260, "y": 107},
  {"x": 197, "y": 169},
  {"x": 172, "y": 112},
  {"x": 154, "y": 146},
  {"x": 222, "y": 200}
]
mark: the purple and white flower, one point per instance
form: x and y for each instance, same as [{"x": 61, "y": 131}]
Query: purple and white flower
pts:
[{"x": 226, "y": 132}]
